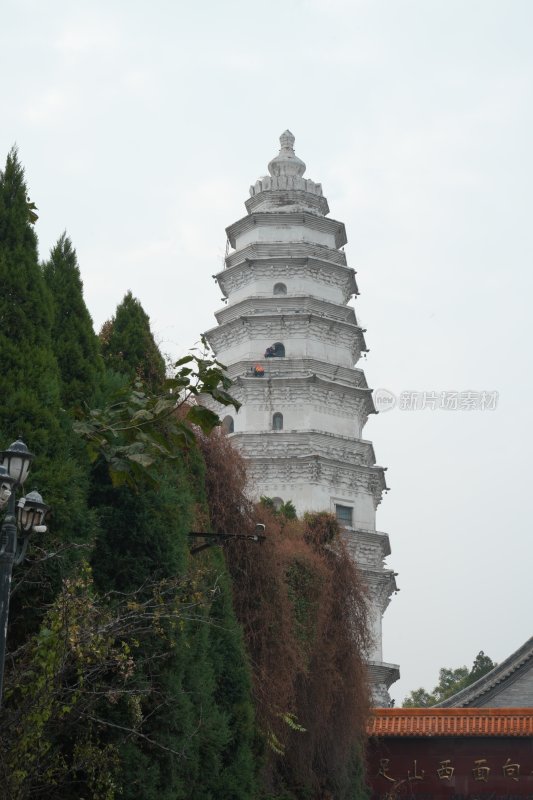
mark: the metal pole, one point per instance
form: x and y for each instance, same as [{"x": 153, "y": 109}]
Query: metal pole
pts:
[{"x": 8, "y": 546}]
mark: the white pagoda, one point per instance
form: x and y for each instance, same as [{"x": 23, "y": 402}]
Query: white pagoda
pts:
[{"x": 290, "y": 341}]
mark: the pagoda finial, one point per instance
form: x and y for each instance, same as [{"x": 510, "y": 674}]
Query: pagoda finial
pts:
[
  {"x": 286, "y": 162},
  {"x": 287, "y": 139}
]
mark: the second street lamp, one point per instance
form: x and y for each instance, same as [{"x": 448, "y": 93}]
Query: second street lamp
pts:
[{"x": 21, "y": 519}]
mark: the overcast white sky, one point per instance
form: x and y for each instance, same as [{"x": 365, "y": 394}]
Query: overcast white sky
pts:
[{"x": 141, "y": 126}]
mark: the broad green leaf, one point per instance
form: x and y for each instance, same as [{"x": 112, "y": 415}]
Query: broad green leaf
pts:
[
  {"x": 141, "y": 458},
  {"x": 184, "y": 360},
  {"x": 204, "y": 417}
]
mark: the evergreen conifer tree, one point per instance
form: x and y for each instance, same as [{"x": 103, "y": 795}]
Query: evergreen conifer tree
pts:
[
  {"x": 75, "y": 344},
  {"x": 30, "y": 388},
  {"x": 196, "y": 690},
  {"x": 29, "y": 378},
  {"x": 129, "y": 347}
]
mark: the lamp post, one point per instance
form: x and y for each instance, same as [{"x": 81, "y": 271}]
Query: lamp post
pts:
[
  {"x": 213, "y": 539},
  {"x": 21, "y": 519}
]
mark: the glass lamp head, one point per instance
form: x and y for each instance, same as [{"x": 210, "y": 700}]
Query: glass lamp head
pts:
[
  {"x": 32, "y": 513},
  {"x": 17, "y": 459}
]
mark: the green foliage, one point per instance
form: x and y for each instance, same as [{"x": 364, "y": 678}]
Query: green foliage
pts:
[
  {"x": 196, "y": 701},
  {"x": 135, "y": 428},
  {"x": 74, "y": 342},
  {"x": 287, "y": 510},
  {"x": 482, "y": 664},
  {"x": 304, "y": 590},
  {"x": 129, "y": 347},
  {"x": 30, "y": 387},
  {"x": 29, "y": 376},
  {"x": 450, "y": 682},
  {"x": 419, "y": 698},
  {"x": 148, "y": 485},
  {"x": 77, "y": 704}
]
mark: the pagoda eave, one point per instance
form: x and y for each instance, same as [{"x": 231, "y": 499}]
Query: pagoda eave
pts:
[
  {"x": 253, "y": 319},
  {"x": 287, "y": 199},
  {"x": 276, "y": 267},
  {"x": 286, "y": 250},
  {"x": 306, "y": 367},
  {"x": 304, "y": 443},
  {"x": 287, "y": 219},
  {"x": 283, "y": 305}
]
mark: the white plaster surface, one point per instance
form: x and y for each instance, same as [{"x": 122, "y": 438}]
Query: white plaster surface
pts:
[{"x": 318, "y": 460}]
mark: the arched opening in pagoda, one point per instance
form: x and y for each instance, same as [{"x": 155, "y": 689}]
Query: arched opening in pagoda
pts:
[
  {"x": 277, "y": 421},
  {"x": 280, "y": 288},
  {"x": 228, "y": 424}
]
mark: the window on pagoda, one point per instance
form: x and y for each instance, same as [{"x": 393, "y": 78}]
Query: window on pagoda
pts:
[
  {"x": 276, "y": 350},
  {"x": 280, "y": 288},
  {"x": 277, "y": 421},
  {"x": 228, "y": 425},
  {"x": 344, "y": 515}
]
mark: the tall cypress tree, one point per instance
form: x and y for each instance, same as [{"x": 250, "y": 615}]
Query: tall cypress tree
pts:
[
  {"x": 30, "y": 387},
  {"x": 129, "y": 347},
  {"x": 29, "y": 378},
  {"x": 75, "y": 344},
  {"x": 199, "y": 703}
]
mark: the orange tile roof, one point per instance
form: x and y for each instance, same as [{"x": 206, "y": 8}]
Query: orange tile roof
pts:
[{"x": 451, "y": 722}]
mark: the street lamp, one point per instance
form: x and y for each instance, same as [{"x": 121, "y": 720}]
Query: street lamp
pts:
[{"x": 21, "y": 519}]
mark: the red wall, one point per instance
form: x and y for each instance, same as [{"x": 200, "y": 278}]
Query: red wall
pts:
[{"x": 504, "y": 768}]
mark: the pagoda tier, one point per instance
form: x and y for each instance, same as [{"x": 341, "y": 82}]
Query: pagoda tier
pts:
[
  {"x": 284, "y": 250},
  {"x": 304, "y": 401},
  {"x": 290, "y": 342},
  {"x": 302, "y": 335},
  {"x": 289, "y": 227},
  {"x": 286, "y": 304},
  {"x": 303, "y": 367},
  {"x": 334, "y": 282},
  {"x": 333, "y": 449}
]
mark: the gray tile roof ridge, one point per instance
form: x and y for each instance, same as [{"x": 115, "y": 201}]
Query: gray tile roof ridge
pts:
[{"x": 487, "y": 682}]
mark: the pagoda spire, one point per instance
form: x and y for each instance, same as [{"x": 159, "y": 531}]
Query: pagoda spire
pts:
[{"x": 286, "y": 162}]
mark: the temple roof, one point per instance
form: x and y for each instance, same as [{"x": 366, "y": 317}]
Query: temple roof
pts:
[
  {"x": 485, "y": 690},
  {"x": 424, "y": 722}
]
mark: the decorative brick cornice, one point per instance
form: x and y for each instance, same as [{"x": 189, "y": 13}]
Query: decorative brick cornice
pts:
[
  {"x": 288, "y": 220},
  {"x": 290, "y": 197},
  {"x": 318, "y": 470},
  {"x": 286, "y": 304},
  {"x": 382, "y": 675},
  {"x": 325, "y": 273},
  {"x": 298, "y": 444},
  {"x": 375, "y": 539},
  {"x": 369, "y": 550},
  {"x": 286, "y": 250},
  {"x": 278, "y": 327},
  {"x": 273, "y": 393},
  {"x": 272, "y": 183},
  {"x": 308, "y": 368},
  {"x": 381, "y": 582}
]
